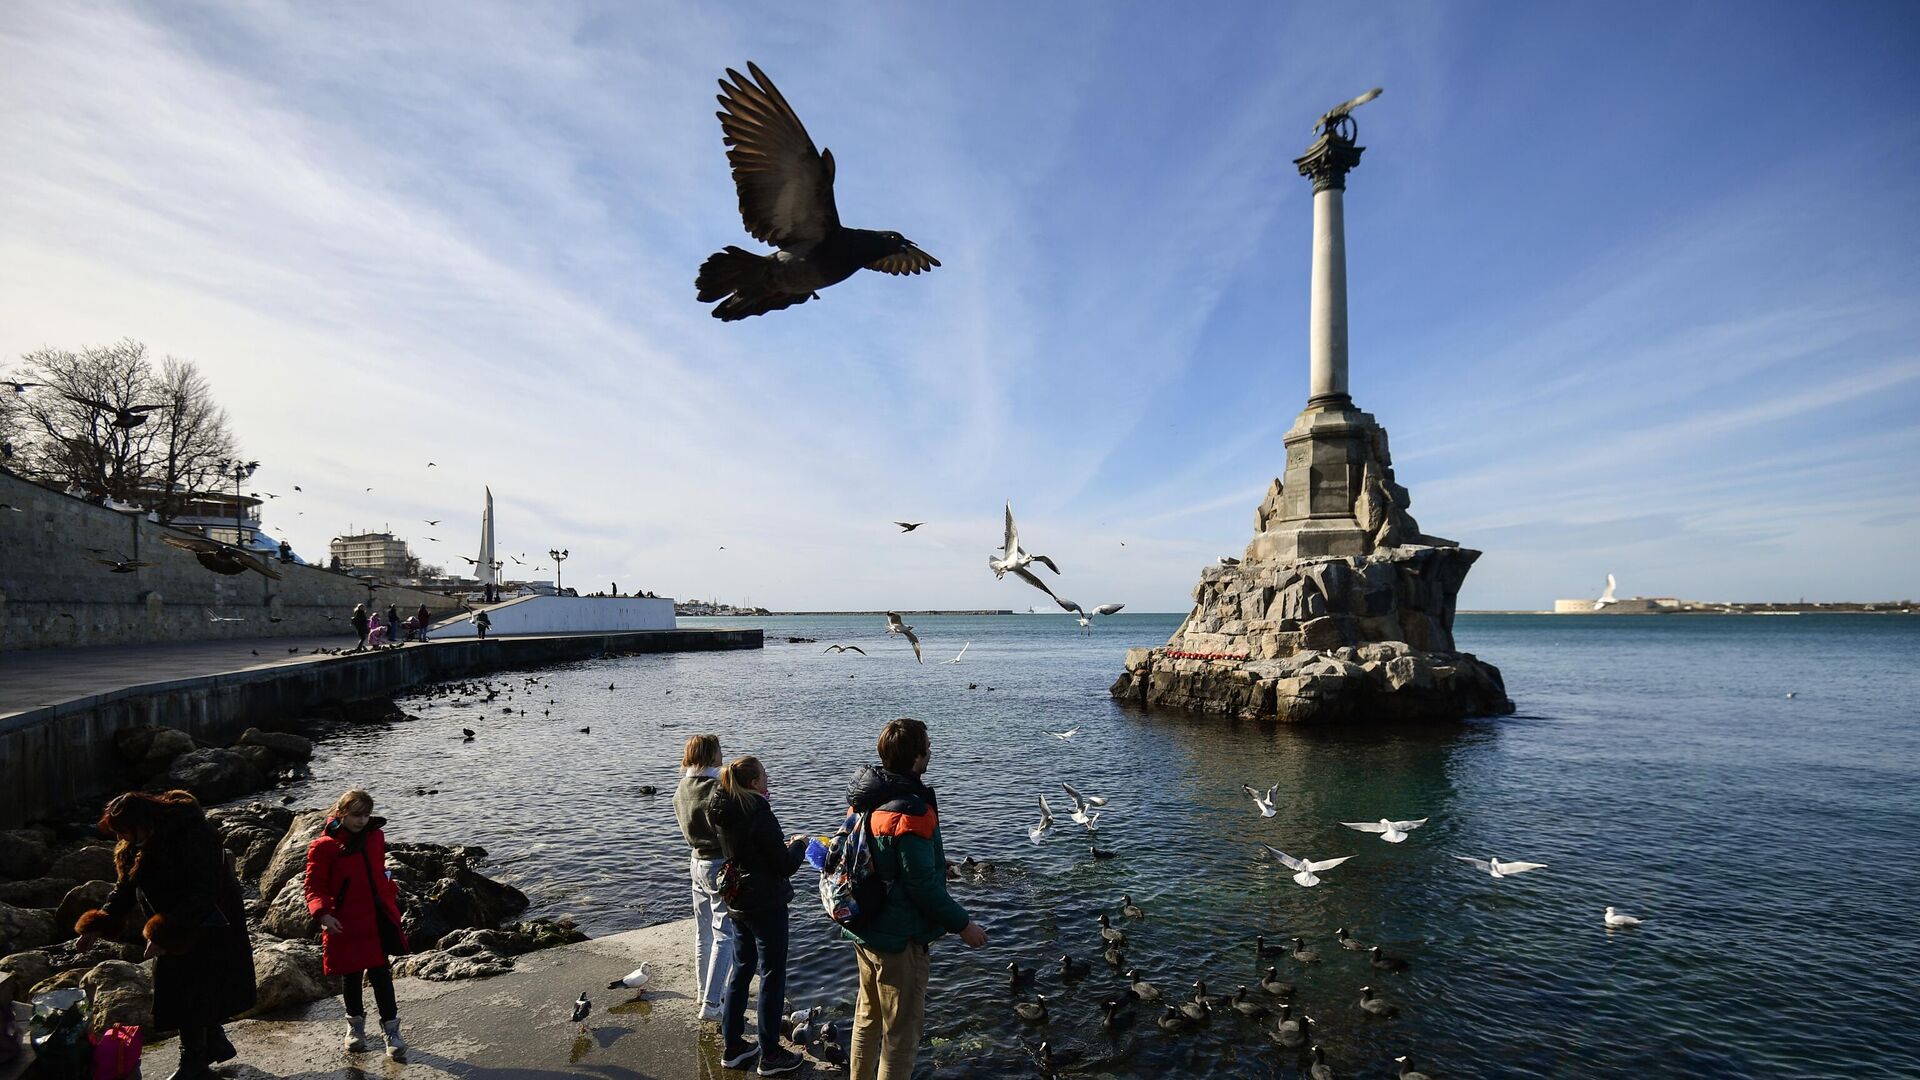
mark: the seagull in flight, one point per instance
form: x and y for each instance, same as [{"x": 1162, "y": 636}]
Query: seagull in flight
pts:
[
  {"x": 1391, "y": 831},
  {"x": 20, "y": 387},
  {"x": 433, "y": 522},
  {"x": 958, "y": 655},
  {"x": 844, "y": 648},
  {"x": 909, "y": 526},
  {"x": 1496, "y": 868},
  {"x": 1308, "y": 874},
  {"x": 1086, "y": 617},
  {"x": 1264, "y": 803},
  {"x": 786, "y": 200},
  {"x": 1083, "y": 804},
  {"x": 1067, "y": 734},
  {"x": 1035, "y": 832},
  {"x": 1013, "y": 558},
  {"x": 895, "y": 626}
]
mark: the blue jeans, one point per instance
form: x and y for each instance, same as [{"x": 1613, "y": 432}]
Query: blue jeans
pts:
[
  {"x": 759, "y": 937},
  {"x": 712, "y": 934}
]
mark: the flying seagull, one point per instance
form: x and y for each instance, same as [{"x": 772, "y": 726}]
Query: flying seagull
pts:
[
  {"x": 786, "y": 200},
  {"x": 1086, "y": 617},
  {"x": 895, "y": 626},
  {"x": 20, "y": 387},
  {"x": 1308, "y": 871},
  {"x": 1016, "y": 559},
  {"x": 1496, "y": 868},
  {"x": 1339, "y": 112},
  {"x": 845, "y": 648},
  {"x": 958, "y": 655},
  {"x": 220, "y": 558},
  {"x": 909, "y": 526},
  {"x": 1265, "y": 804},
  {"x": 1082, "y": 804},
  {"x": 1035, "y": 832},
  {"x": 1391, "y": 831}
]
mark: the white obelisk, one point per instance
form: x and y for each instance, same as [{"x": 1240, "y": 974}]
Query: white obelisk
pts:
[{"x": 485, "y": 572}]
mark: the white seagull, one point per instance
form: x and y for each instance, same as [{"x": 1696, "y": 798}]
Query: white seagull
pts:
[
  {"x": 636, "y": 979},
  {"x": 1081, "y": 806},
  {"x": 958, "y": 655},
  {"x": 1391, "y": 831},
  {"x": 1086, "y": 617},
  {"x": 1265, "y": 804},
  {"x": 895, "y": 626},
  {"x": 1067, "y": 734},
  {"x": 1308, "y": 875},
  {"x": 1496, "y": 868},
  {"x": 1616, "y": 919},
  {"x": 1035, "y": 832},
  {"x": 1016, "y": 559}
]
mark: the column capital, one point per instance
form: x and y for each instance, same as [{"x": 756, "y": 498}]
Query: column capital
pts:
[{"x": 1327, "y": 161}]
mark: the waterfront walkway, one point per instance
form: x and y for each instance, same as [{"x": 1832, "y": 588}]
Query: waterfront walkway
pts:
[
  {"x": 513, "y": 1025},
  {"x": 35, "y": 678}
]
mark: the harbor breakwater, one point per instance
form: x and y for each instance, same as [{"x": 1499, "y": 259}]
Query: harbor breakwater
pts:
[{"x": 54, "y": 754}]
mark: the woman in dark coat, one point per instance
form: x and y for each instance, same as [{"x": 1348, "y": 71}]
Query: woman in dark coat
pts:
[
  {"x": 172, "y": 873},
  {"x": 763, "y": 862},
  {"x": 358, "y": 908}
]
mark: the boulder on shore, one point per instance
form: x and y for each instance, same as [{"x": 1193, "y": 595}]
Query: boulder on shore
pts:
[
  {"x": 23, "y": 854},
  {"x": 118, "y": 993},
  {"x": 24, "y": 928},
  {"x": 149, "y": 748},
  {"x": 88, "y": 862},
  {"x": 284, "y": 745},
  {"x": 40, "y": 892},
  {"x": 79, "y": 900},
  {"x": 290, "y": 854},
  {"x": 213, "y": 775},
  {"x": 287, "y": 974},
  {"x": 287, "y": 915}
]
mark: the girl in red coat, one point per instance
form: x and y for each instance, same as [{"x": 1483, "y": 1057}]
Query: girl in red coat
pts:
[{"x": 358, "y": 908}]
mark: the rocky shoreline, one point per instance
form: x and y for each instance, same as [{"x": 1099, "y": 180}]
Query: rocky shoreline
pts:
[{"x": 460, "y": 923}]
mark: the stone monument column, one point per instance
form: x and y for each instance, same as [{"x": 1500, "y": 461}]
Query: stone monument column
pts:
[{"x": 1326, "y": 163}]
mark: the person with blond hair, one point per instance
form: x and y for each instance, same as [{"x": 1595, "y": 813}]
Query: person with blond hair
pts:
[
  {"x": 712, "y": 930},
  {"x": 762, "y": 863},
  {"x": 353, "y": 898},
  {"x": 169, "y": 865}
]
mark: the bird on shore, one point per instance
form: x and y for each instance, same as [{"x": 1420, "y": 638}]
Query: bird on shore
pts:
[
  {"x": 1016, "y": 559},
  {"x": 1262, "y": 803},
  {"x": 1307, "y": 872},
  {"x": 220, "y": 558},
  {"x": 1496, "y": 868},
  {"x": 581, "y": 1008},
  {"x": 958, "y": 655},
  {"x": 1615, "y": 918},
  {"x": 785, "y": 187},
  {"x": 636, "y": 979},
  {"x": 1035, "y": 832},
  {"x": 1391, "y": 831},
  {"x": 844, "y": 648},
  {"x": 895, "y": 626},
  {"x": 909, "y": 526}
]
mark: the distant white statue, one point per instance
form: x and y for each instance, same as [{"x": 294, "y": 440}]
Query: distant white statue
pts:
[{"x": 1606, "y": 597}]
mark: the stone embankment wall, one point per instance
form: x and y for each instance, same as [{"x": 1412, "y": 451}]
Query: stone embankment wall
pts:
[
  {"x": 54, "y": 595},
  {"x": 55, "y": 755}
]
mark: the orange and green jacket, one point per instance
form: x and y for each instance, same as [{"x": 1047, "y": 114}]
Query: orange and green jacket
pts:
[{"x": 909, "y": 856}]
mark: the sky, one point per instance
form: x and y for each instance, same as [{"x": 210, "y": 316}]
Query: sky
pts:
[{"x": 1633, "y": 287}]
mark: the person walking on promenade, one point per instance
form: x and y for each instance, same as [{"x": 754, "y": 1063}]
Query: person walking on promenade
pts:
[
  {"x": 358, "y": 908},
  {"x": 764, "y": 862},
  {"x": 169, "y": 865},
  {"x": 481, "y": 624},
  {"x": 394, "y": 633},
  {"x": 423, "y": 617},
  {"x": 712, "y": 930},
  {"x": 892, "y": 950},
  {"x": 361, "y": 625}
]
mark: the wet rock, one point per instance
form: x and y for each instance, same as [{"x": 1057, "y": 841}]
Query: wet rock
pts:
[
  {"x": 290, "y": 854},
  {"x": 252, "y": 815},
  {"x": 23, "y": 854},
  {"x": 118, "y": 993},
  {"x": 287, "y": 915},
  {"x": 44, "y": 892},
  {"x": 149, "y": 749},
  {"x": 285, "y": 746},
  {"x": 251, "y": 833},
  {"x": 65, "y": 956},
  {"x": 24, "y": 928},
  {"x": 287, "y": 974},
  {"x": 440, "y": 892},
  {"x": 29, "y": 966},
  {"x": 88, "y": 862},
  {"x": 213, "y": 775},
  {"x": 61, "y": 980},
  {"x": 464, "y": 954},
  {"x": 265, "y": 761},
  {"x": 79, "y": 900}
]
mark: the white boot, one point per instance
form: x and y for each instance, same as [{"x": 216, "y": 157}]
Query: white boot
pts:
[
  {"x": 396, "y": 1046},
  {"x": 356, "y": 1039}
]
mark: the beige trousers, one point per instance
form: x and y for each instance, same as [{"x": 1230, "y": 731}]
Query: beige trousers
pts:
[{"x": 888, "y": 1017}]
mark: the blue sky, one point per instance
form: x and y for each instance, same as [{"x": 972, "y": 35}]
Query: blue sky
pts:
[{"x": 1633, "y": 287}]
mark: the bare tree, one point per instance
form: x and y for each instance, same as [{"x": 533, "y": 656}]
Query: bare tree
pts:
[{"x": 105, "y": 421}]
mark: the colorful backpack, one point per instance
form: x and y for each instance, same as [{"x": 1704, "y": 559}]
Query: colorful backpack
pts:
[{"x": 851, "y": 890}]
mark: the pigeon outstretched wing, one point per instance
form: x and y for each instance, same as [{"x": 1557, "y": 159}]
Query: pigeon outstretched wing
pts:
[
  {"x": 902, "y": 263},
  {"x": 785, "y": 185}
]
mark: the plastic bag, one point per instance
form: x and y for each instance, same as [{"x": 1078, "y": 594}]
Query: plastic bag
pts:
[
  {"x": 60, "y": 1047},
  {"x": 116, "y": 1052}
]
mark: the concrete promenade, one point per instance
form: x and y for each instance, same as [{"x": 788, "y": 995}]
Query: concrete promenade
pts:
[
  {"x": 513, "y": 1025},
  {"x": 59, "y": 709}
]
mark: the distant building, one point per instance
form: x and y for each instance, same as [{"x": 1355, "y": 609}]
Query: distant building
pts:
[{"x": 379, "y": 552}]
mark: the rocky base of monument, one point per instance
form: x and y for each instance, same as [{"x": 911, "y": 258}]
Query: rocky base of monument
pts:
[{"x": 1336, "y": 639}]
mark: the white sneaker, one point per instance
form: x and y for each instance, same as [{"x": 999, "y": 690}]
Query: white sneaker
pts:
[{"x": 712, "y": 1012}]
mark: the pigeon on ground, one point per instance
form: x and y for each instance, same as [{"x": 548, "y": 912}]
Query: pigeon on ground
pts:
[
  {"x": 786, "y": 199},
  {"x": 581, "y": 1008}
]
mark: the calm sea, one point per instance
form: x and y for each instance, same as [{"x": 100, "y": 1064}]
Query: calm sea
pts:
[{"x": 1747, "y": 784}]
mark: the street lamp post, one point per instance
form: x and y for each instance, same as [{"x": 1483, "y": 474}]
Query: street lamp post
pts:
[
  {"x": 558, "y": 555},
  {"x": 239, "y": 470}
]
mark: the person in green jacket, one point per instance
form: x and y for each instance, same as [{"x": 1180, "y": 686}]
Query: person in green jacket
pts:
[{"x": 892, "y": 950}]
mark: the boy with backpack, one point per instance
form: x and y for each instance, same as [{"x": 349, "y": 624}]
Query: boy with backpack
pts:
[{"x": 902, "y": 824}]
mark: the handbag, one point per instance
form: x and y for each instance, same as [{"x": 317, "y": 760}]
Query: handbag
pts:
[{"x": 116, "y": 1052}]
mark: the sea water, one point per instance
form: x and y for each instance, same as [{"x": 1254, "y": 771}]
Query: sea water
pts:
[{"x": 1747, "y": 785}]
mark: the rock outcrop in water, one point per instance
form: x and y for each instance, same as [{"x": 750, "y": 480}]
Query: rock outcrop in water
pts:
[{"x": 1340, "y": 610}]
